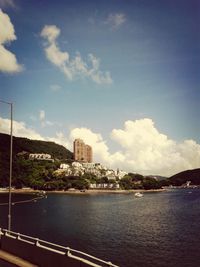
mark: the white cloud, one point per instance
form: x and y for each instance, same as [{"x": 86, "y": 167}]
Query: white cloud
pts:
[
  {"x": 146, "y": 150},
  {"x": 143, "y": 148},
  {"x": 7, "y": 33},
  {"x": 43, "y": 121},
  {"x": 20, "y": 129},
  {"x": 42, "y": 115},
  {"x": 100, "y": 149},
  {"x": 8, "y": 61},
  {"x": 60, "y": 139},
  {"x": 76, "y": 67},
  {"x": 50, "y": 32},
  {"x": 115, "y": 20}
]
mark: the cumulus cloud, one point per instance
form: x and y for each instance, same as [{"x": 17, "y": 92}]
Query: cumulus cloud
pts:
[
  {"x": 115, "y": 20},
  {"x": 76, "y": 67},
  {"x": 100, "y": 149},
  {"x": 143, "y": 148},
  {"x": 146, "y": 150},
  {"x": 60, "y": 139},
  {"x": 20, "y": 129},
  {"x": 8, "y": 61}
]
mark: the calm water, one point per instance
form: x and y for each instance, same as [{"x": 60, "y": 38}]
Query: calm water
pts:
[{"x": 160, "y": 229}]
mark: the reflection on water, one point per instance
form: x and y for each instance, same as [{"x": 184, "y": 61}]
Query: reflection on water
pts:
[{"x": 160, "y": 229}]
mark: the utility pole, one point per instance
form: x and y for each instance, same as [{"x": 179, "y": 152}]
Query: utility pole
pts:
[{"x": 11, "y": 155}]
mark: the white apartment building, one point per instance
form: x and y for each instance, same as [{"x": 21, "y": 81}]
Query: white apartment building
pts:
[
  {"x": 104, "y": 186},
  {"x": 64, "y": 166},
  {"x": 40, "y": 156},
  {"x": 97, "y": 169}
]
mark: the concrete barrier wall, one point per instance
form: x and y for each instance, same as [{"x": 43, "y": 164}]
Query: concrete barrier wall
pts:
[{"x": 37, "y": 255}]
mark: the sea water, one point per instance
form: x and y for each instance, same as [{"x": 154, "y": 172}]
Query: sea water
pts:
[{"x": 161, "y": 229}]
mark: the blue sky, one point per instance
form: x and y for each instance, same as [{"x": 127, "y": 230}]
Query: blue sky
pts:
[{"x": 144, "y": 65}]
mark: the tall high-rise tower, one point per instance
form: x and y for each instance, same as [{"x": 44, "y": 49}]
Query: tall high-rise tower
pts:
[
  {"x": 88, "y": 153},
  {"x": 82, "y": 152}
]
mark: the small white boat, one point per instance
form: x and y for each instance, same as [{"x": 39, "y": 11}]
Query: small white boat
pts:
[{"x": 138, "y": 194}]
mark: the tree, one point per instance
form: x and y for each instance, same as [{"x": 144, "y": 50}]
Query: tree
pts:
[
  {"x": 150, "y": 183},
  {"x": 126, "y": 182},
  {"x": 81, "y": 184},
  {"x": 102, "y": 180}
]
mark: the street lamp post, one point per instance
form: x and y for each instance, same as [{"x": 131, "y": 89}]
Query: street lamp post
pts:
[{"x": 11, "y": 152}]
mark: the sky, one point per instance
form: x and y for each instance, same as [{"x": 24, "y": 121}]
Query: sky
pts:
[{"x": 121, "y": 75}]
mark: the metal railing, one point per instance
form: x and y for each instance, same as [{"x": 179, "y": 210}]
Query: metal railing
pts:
[{"x": 65, "y": 251}]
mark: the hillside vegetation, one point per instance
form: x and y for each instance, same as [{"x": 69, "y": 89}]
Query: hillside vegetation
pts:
[
  {"x": 24, "y": 169},
  {"x": 33, "y": 146},
  {"x": 182, "y": 177},
  {"x": 41, "y": 174}
]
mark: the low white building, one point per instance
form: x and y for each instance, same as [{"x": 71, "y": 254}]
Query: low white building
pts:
[
  {"x": 76, "y": 164},
  {"x": 64, "y": 166},
  {"x": 77, "y": 168},
  {"x": 40, "y": 156},
  {"x": 120, "y": 174},
  {"x": 88, "y": 165},
  {"x": 104, "y": 186}
]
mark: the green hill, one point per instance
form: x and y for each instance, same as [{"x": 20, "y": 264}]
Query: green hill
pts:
[
  {"x": 23, "y": 167},
  {"x": 182, "y": 177},
  {"x": 33, "y": 146}
]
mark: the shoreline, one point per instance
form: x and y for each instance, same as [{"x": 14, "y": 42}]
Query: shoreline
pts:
[
  {"x": 105, "y": 191},
  {"x": 82, "y": 192}
]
